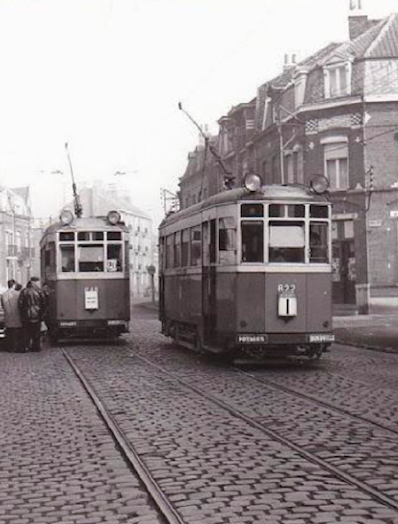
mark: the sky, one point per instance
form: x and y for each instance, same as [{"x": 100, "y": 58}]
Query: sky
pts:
[{"x": 106, "y": 77}]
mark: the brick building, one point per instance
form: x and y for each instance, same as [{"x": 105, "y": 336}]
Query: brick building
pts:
[{"x": 334, "y": 113}]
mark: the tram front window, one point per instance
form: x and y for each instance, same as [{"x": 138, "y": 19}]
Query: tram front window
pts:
[
  {"x": 91, "y": 258},
  {"x": 114, "y": 258},
  {"x": 286, "y": 242},
  {"x": 319, "y": 242},
  {"x": 252, "y": 241},
  {"x": 67, "y": 258}
]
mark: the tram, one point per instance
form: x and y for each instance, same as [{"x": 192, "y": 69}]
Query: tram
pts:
[
  {"x": 85, "y": 271},
  {"x": 247, "y": 272}
]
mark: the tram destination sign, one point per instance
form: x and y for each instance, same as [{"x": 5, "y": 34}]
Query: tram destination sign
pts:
[
  {"x": 321, "y": 337},
  {"x": 248, "y": 338}
]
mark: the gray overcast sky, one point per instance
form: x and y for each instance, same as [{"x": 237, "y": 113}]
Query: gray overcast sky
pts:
[{"x": 106, "y": 76}]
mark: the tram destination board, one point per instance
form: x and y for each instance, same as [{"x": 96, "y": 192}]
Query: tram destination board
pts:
[{"x": 252, "y": 339}]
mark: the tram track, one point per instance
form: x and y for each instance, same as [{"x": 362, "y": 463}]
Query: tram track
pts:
[
  {"x": 130, "y": 455},
  {"x": 321, "y": 403},
  {"x": 364, "y": 487}
]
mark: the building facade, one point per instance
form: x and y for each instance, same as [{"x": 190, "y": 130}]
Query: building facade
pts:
[
  {"x": 334, "y": 113},
  {"x": 102, "y": 198},
  {"x": 18, "y": 256}
]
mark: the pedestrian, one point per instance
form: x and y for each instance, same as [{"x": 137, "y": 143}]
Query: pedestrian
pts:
[
  {"x": 32, "y": 305},
  {"x": 12, "y": 318}
]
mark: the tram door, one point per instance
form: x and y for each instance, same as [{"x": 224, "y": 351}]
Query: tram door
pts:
[
  {"x": 209, "y": 305},
  {"x": 344, "y": 277}
]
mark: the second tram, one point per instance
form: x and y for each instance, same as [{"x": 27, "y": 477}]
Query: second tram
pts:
[
  {"x": 85, "y": 270},
  {"x": 247, "y": 272}
]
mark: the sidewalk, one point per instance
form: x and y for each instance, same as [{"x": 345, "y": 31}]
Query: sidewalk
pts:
[{"x": 377, "y": 331}]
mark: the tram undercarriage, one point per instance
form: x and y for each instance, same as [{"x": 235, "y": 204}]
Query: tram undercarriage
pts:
[{"x": 230, "y": 345}]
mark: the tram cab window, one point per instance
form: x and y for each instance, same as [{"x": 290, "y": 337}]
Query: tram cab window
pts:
[
  {"x": 67, "y": 258},
  {"x": 286, "y": 210},
  {"x": 91, "y": 257},
  {"x": 227, "y": 240},
  {"x": 114, "y": 235},
  {"x": 114, "y": 258},
  {"x": 196, "y": 246},
  {"x": 286, "y": 242},
  {"x": 319, "y": 211},
  {"x": 67, "y": 236},
  {"x": 252, "y": 210},
  {"x": 252, "y": 240},
  {"x": 319, "y": 242}
]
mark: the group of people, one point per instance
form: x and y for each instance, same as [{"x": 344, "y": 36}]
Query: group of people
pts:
[{"x": 24, "y": 311}]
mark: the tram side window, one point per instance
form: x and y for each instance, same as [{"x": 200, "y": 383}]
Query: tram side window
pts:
[
  {"x": 49, "y": 256},
  {"x": 196, "y": 246},
  {"x": 227, "y": 240},
  {"x": 177, "y": 249},
  {"x": 252, "y": 241},
  {"x": 170, "y": 251},
  {"x": 91, "y": 257},
  {"x": 286, "y": 242},
  {"x": 318, "y": 242},
  {"x": 67, "y": 258},
  {"x": 184, "y": 247},
  {"x": 114, "y": 258}
]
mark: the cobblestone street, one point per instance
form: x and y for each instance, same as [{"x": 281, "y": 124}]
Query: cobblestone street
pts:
[{"x": 280, "y": 443}]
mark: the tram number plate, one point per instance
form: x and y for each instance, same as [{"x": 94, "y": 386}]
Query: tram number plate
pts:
[
  {"x": 321, "y": 337},
  {"x": 252, "y": 339}
]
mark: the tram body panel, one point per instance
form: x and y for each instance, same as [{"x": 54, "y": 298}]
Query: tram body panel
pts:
[
  {"x": 226, "y": 302},
  {"x": 73, "y": 299},
  {"x": 172, "y": 293},
  {"x": 319, "y": 316},
  {"x": 250, "y": 303}
]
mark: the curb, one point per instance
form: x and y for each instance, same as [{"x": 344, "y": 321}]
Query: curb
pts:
[{"x": 369, "y": 347}]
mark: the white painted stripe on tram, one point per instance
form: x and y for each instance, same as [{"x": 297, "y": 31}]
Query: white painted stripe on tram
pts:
[
  {"x": 280, "y": 268},
  {"x": 91, "y": 275}
]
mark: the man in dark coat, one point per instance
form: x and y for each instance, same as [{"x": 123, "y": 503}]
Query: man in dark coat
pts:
[{"x": 32, "y": 305}]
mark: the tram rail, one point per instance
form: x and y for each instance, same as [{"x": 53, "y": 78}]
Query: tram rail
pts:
[
  {"x": 365, "y": 488},
  {"x": 290, "y": 391},
  {"x": 161, "y": 502}
]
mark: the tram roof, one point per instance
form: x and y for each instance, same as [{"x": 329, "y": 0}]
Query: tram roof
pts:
[
  {"x": 273, "y": 192},
  {"x": 85, "y": 223}
]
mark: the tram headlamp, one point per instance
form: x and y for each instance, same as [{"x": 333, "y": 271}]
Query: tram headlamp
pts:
[
  {"x": 252, "y": 182},
  {"x": 66, "y": 217},
  {"x": 113, "y": 217},
  {"x": 319, "y": 184}
]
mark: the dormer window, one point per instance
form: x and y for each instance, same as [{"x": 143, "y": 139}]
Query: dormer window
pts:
[
  {"x": 300, "y": 82},
  {"x": 337, "y": 80}
]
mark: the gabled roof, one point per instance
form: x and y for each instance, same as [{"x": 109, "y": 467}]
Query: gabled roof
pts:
[{"x": 380, "y": 40}]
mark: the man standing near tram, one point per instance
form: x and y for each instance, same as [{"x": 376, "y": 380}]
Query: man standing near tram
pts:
[
  {"x": 12, "y": 318},
  {"x": 32, "y": 305}
]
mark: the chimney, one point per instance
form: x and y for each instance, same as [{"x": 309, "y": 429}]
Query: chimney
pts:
[
  {"x": 357, "y": 20},
  {"x": 290, "y": 62}
]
